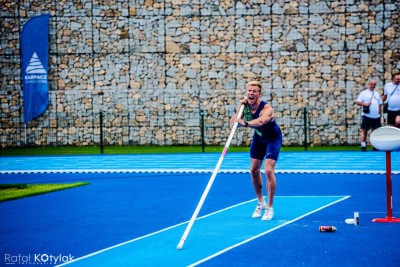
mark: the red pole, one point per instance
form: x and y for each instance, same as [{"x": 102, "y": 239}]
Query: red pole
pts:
[
  {"x": 389, "y": 185},
  {"x": 389, "y": 217}
]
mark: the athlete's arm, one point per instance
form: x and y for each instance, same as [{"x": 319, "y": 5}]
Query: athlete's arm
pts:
[
  {"x": 266, "y": 115},
  {"x": 232, "y": 120}
]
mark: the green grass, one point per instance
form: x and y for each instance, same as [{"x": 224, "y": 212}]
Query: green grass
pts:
[
  {"x": 49, "y": 150},
  {"x": 17, "y": 191},
  {"x": 93, "y": 150}
]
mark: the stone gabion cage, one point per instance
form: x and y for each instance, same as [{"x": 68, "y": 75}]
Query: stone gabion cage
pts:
[{"x": 152, "y": 66}]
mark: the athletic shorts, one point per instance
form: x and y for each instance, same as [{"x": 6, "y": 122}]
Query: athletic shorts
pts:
[
  {"x": 391, "y": 117},
  {"x": 263, "y": 148},
  {"x": 369, "y": 123}
]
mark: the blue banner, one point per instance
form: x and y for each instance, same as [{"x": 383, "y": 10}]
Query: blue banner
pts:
[{"x": 35, "y": 61}]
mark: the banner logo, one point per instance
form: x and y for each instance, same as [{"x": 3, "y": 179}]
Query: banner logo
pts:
[
  {"x": 35, "y": 66},
  {"x": 35, "y": 72}
]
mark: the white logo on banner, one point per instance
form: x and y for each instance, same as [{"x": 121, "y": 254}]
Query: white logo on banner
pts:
[
  {"x": 35, "y": 71},
  {"x": 35, "y": 66}
]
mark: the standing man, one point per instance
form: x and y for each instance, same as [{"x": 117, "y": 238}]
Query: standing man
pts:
[
  {"x": 391, "y": 93},
  {"x": 371, "y": 103},
  {"x": 266, "y": 143}
]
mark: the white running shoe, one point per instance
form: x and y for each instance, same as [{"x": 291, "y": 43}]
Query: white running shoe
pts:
[
  {"x": 269, "y": 213},
  {"x": 257, "y": 212}
]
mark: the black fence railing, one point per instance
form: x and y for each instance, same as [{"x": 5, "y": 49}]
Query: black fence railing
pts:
[{"x": 300, "y": 129}]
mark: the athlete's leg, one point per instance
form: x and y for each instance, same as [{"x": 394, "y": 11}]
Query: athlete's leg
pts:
[
  {"x": 256, "y": 178},
  {"x": 271, "y": 180}
]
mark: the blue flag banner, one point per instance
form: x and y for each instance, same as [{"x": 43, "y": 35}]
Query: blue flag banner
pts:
[{"x": 34, "y": 58}]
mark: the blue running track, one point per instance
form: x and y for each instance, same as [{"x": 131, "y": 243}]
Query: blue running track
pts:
[
  {"x": 305, "y": 162},
  {"x": 136, "y": 208}
]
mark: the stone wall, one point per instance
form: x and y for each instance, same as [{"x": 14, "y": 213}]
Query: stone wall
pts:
[{"x": 151, "y": 65}]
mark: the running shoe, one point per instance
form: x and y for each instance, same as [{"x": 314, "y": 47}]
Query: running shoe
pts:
[
  {"x": 257, "y": 212},
  {"x": 269, "y": 213}
]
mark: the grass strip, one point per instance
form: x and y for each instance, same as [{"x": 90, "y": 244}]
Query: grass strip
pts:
[{"x": 17, "y": 191}]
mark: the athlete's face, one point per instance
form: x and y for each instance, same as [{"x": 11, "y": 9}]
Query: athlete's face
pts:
[{"x": 253, "y": 94}]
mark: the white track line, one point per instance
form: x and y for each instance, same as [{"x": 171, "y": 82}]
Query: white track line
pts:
[{"x": 190, "y": 171}]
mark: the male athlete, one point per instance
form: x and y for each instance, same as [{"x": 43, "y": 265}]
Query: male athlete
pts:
[{"x": 266, "y": 143}]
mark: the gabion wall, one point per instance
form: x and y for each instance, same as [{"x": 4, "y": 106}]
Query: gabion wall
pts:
[{"x": 152, "y": 65}]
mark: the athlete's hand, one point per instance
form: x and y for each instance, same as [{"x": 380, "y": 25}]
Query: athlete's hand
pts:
[{"x": 240, "y": 122}]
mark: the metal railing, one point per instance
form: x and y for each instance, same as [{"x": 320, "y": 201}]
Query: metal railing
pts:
[{"x": 300, "y": 129}]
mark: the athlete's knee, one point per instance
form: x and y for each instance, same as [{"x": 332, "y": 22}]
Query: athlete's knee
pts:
[
  {"x": 269, "y": 171},
  {"x": 254, "y": 171}
]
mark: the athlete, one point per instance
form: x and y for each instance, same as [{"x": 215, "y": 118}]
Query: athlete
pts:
[{"x": 266, "y": 144}]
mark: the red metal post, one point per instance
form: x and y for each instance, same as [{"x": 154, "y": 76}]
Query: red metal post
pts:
[
  {"x": 389, "y": 205},
  {"x": 389, "y": 185}
]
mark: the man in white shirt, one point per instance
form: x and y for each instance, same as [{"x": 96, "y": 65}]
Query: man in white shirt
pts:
[
  {"x": 371, "y": 103},
  {"x": 391, "y": 93}
]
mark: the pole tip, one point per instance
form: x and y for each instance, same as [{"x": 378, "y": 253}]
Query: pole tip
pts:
[{"x": 180, "y": 245}]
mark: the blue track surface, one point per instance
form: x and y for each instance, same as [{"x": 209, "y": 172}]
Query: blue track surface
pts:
[
  {"x": 121, "y": 213},
  {"x": 212, "y": 235},
  {"x": 333, "y": 162}
]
